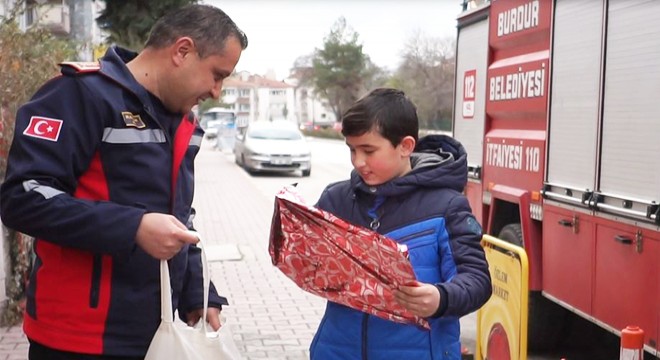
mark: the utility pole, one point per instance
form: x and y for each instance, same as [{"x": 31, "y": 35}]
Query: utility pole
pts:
[{"x": 80, "y": 13}]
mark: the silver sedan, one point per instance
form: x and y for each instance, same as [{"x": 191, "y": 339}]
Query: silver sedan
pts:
[{"x": 273, "y": 146}]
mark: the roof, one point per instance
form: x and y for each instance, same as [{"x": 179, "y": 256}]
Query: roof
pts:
[
  {"x": 237, "y": 83},
  {"x": 254, "y": 81},
  {"x": 262, "y": 82}
]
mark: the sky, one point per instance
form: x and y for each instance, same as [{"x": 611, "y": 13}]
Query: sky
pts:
[{"x": 279, "y": 31}]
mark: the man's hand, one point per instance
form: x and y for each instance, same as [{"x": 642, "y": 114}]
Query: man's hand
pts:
[
  {"x": 162, "y": 236},
  {"x": 212, "y": 317},
  {"x": 420, "y": 299}
]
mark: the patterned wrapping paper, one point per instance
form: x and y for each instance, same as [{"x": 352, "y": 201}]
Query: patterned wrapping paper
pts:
[{"x": 338, "y": 261}]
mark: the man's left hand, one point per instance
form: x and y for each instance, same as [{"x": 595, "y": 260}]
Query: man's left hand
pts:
[{"x": 212, "y": 317}]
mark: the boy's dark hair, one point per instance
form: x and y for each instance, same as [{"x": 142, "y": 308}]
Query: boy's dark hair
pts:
[
  {"x": 387, "y": 111},
  {"x": 208, "y": 26}
]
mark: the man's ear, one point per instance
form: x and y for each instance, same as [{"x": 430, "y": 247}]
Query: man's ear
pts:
[
  {"x": 182, "y": 48},
  {"x": 407, "y": 145}
]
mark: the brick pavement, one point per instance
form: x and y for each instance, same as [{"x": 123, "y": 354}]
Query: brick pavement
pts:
[{"x": 269, "y": 316}]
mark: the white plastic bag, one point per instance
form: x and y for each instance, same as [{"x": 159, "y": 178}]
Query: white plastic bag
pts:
[{"x": 178, "y": 341}]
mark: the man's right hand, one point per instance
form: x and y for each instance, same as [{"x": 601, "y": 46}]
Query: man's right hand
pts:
[{"x": 162, "y": 235}]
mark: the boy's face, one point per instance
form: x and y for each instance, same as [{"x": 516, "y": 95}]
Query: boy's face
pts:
[{"x": 376, "y": 160}]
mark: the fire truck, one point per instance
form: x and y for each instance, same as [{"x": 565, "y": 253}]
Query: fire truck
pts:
[{"x": 557, "y": 103}]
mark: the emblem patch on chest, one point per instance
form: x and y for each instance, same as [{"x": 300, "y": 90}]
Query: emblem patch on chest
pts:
[{"x": 132, "y": 120}]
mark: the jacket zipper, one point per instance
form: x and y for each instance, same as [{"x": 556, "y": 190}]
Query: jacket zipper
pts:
[{"x": 96, "y": 282}]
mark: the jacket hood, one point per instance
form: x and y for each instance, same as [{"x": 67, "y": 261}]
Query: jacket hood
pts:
[{"x": 439, "y": 161}]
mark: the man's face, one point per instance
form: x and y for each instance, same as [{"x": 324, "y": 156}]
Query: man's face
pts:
[
  {"x": 199, "y": 79},
  {"x": 376, "y": 160}
]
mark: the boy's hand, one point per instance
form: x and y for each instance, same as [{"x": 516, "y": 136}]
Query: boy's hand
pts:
[{"x": 420, "y": 299}]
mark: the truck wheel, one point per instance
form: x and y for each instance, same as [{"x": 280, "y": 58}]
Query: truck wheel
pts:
[{"x": 545, "y": 319}]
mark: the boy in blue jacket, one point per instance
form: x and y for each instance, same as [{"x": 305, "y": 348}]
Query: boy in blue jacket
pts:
[{"x": 411, "y": 191}]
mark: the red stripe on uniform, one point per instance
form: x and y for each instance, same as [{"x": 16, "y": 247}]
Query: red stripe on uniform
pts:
[
  {"x": 65, "y": 319},
  {"x": 181, "y": 143}
]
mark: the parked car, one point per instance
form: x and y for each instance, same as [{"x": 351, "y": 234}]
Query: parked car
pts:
[
  {"x": 214, "y": 119},
  {"x": 308, "y": 126},
  {"x": 213, "y": 128},
  {"x": 277, "y": 146}
]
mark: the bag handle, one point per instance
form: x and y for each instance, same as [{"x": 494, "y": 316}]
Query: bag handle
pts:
[{"x": 166, "y": 312}]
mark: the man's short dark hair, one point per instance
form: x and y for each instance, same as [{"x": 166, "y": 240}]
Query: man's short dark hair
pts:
[
  {"x": 208, "y": 26},
  {"x": 385, "y": 110}
]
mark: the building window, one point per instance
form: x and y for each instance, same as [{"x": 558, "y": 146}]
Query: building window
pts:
[
  {"x": 244, "y": 93},
  {"x": 277, "y": 92},
  {"x": 230, "y": 92},
  {"x": 30, "y": 16}
]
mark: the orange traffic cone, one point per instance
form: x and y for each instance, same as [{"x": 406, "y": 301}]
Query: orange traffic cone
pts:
[
  {"x": 632, "y": 343},
  {"x": 466, "y": 354}
]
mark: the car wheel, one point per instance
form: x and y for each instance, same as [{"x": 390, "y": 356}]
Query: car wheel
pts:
[{"x": 306, "y": 172}]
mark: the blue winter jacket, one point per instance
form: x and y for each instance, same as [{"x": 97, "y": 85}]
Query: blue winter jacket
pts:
[
  {"x": 90, "y": 156},
  {"x": 425, "y": 210}
]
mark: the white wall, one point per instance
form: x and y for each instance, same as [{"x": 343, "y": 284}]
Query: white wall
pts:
[{"x": 291, "y": 105}]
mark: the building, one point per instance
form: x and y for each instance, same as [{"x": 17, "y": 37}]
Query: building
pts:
[
  {"x": 312, "y": 110},
  {"x": 258, "y": 98},
  {"x": 65, "y": 18}
]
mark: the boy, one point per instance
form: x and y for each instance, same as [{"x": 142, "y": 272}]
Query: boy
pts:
[{"x": 412, "y": 192}]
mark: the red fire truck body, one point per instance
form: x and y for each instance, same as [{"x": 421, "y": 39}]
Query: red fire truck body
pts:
[{"x": 558, "y": 105}]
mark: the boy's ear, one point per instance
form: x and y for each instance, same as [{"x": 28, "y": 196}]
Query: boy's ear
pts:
[{"x": 407, "y": 145}]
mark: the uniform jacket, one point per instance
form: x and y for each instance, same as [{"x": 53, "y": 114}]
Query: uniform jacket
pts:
[
  {"x": 89, "y": 158},
  {"x": 426, "y": 210}
]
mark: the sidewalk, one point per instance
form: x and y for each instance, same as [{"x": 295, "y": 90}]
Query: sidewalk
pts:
[{"x": 269, "y": 316}]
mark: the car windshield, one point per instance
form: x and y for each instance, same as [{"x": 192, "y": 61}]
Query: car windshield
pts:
[{"x": 274, "y": 134}]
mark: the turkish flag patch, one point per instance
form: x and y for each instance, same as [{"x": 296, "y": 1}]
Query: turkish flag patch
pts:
[{"x": 44, "y": 128}]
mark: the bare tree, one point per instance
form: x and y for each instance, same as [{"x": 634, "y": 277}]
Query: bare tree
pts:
[{"x": 426, "y": 74}]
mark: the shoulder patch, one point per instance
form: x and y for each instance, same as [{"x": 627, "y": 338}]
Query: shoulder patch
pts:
[
  {"x": 44, "y": 128},
  {"x": 81, "y": 66},
  {"x": 474, "y": 226}
]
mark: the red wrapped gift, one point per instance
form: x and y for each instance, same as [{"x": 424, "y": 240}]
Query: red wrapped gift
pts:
[{"x": 341, "y": 262}]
